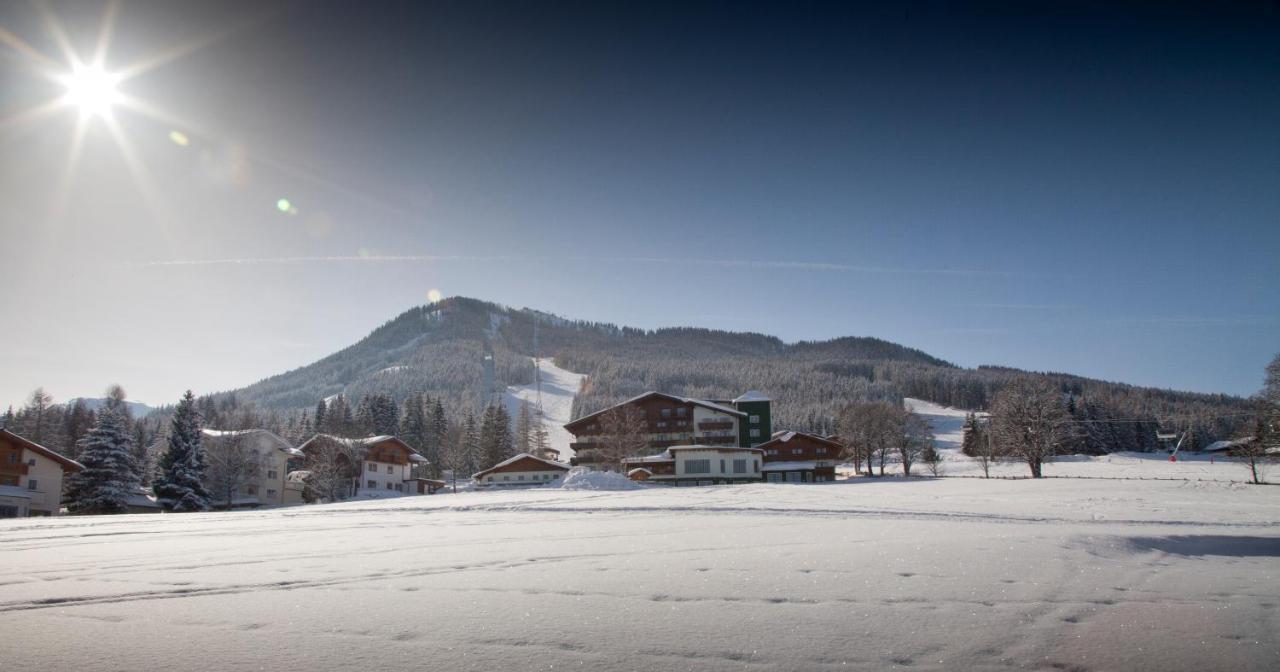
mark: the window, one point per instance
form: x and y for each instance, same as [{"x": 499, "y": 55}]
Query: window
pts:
[
  {"x": 797, "y": 451},
  {"x": 252, "y": 490},
  {"x": 666, "y": 412},
  {"x": 391, "y": 487},
  {"x": 681, "y": 412},
  {"x": 373, "y": 484},
  {"x": 755, "y": 433},
  {"x": 697, "y": 466},
  {"x": 271, "y": 493},
  {"x": 662, "y": 423},
  {"x": 399, "y": 487},
  {"x": 8, "y": 511},
  {"x": 757, "y": 466},
  {"x": 520, "y": 477},
  {"x": 722, "y": 466},
  {"x": 373, "y": 467},
  {"x": 273, "y": 474},
  {"x": 822, "y": 451},
  {"x": 31, "y": 462},
  {"x": 739, "y": 466},
  {"x": 772, "y": 451},
  {"x": 31, "y": 484},
  {"x": 755, "y": 419},
  {"x": 13, "y": 458},
  {"x": 506, "y": 478}
]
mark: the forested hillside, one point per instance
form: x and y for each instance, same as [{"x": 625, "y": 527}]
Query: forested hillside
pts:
[
  {"x": 439, "y": 349},
  {"x": 438, "y": 352}
]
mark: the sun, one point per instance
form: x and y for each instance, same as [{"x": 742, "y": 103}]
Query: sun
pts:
[{"x": 91, "y": 89}]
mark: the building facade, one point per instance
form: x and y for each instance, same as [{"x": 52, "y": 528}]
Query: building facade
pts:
[
  {"x": 31, "y": 477},
  {"x": 797, "y": 457},
  {"x": 698, "y": 465},
  {"x": 670, "y": 420},
  {"x": 268, "y": 457},
  {"x": 372, "y": 466},
  {"x": 521, "y": 470}
]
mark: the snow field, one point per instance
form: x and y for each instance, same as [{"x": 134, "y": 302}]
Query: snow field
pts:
[{"x": 868, "y": 574}]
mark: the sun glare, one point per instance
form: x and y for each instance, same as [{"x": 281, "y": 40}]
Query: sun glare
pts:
[{"x": 91, "y": 89}]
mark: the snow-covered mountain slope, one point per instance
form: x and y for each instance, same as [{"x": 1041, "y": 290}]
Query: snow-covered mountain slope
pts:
[
  {"x": 559, "y": 387},
  {"x": 947, "y": 422},
  {"x": 868, "y": 574}
]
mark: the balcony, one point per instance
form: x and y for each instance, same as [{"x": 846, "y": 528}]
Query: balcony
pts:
[{"x": 709, "y": 425}]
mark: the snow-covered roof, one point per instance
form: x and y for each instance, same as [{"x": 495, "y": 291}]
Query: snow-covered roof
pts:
[
  {"x": 515, "y": 458},
  {"x": 660, "y": 457},
  {"x": 67, "y": 463},
  {"x": 281, "y": 445},
  {"x": 789, "y": 466},
  {"x": 299, "y": 476},
  {"x": 684, "y": 400},
  {"x": 751, "y": 395},
  {"x": 14, "y": 491},
  {"x": 639, "y": 470}
]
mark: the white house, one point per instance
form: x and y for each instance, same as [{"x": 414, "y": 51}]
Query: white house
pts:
[
  {"x": 268, "y": 455},
  {"x": 31, "y": 477},
  {"x": 373, "y": 466},
  {"x": 523, "y": 469}
]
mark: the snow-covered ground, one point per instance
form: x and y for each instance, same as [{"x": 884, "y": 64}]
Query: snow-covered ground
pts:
[
  {"x": 948, "y": 426},
  {"x": 559, "y": 387},
  {"x": 863, "y": 574}
]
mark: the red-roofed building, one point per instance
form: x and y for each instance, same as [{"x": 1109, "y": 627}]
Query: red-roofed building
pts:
[{"x": 31, "y": 477}]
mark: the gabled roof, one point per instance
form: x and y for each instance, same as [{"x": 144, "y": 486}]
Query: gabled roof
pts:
[
  {"x": 281, "y": 445},
  {"x": 66, "y": 463},
  {"x": 683, "y": 400},
  {"x": 780, "y": 438},
  {"x": 363, "y": 445},
  {"x": 517, "y": 458}
]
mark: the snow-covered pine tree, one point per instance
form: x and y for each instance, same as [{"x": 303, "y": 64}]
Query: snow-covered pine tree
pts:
[
  {"x": 524, "y": 429},
  {"x": 540, "y": 439},
  {"x": 437, "y": 434},
  {"x": 318, "y": 422},
  {"x": 183, "y": 465},
  {"x": 109, "y": 476}
]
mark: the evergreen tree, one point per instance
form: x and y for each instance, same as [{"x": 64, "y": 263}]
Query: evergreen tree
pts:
[
  {"x": 540, "y": 439},
  {"x": 109, "y": 476},
  {"x": 469, "y": 445},
  {"x": 524, "y": 429},
  {"x": 437, "y": 433},
  {"x": 319, "y": 418},
  {"x": 183, "y": 466},
  {"x": 495, "y": 435}
]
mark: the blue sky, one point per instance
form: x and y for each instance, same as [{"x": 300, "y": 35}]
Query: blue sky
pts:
[{"x": 1091, "y": 188}]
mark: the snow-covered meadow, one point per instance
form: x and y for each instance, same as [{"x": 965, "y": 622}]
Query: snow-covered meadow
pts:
[{"x": 870, "y": 574}]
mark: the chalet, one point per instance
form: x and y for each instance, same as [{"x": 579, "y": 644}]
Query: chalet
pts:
[
  {"x": 375, "y": 465},
  {"x": 268, "y": 456},
  {"x": 523, "y": 469},
  {"x": 668, "y": 420},
  {"x": 31, "y": 477},
  {"x": 697, "y": 465},
  {"x": 796, "y": 457}
]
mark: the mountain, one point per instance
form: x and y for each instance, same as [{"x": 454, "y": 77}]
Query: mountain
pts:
[
  {"x": 462, "y": 350},
  {"x": 137, "y": 409}
]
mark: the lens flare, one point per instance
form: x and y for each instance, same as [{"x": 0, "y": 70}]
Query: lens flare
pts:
[
  {"x": 91, "y": 89},
  {"x": 434, "y": 296}
]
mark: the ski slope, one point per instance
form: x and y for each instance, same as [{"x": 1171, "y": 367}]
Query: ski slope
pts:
[
  {"x": 559, "y": 387},
  {"x": 864, "y": 574}
]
